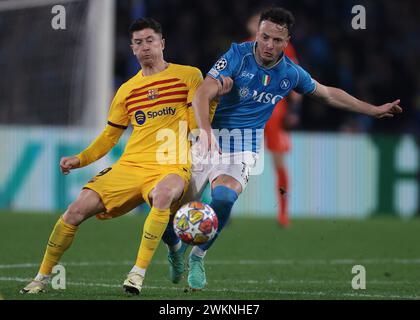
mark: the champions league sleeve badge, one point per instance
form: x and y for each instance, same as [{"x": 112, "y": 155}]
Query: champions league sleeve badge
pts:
[{"x": 220, "y": 64}]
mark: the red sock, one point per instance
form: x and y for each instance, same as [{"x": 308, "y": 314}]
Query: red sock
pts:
[{"x": 282, "y": 187}]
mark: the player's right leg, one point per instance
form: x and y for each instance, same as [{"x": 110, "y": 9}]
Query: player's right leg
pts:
[{"x": 86, "y": 205}]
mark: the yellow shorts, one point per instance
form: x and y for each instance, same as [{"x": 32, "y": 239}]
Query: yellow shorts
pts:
[{"x": 123, "y": 188}]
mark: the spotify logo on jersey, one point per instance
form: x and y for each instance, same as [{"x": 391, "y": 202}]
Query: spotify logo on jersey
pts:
[{"x": 140, "y": 117}]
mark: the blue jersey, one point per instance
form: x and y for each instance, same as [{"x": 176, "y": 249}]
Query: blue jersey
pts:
[{"x": 256, "y": 90}]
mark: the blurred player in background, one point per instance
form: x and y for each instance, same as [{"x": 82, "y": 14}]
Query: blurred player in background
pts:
[
  {"x": 285, "y": 116},
  {"x": 262, "y": 76},
  {"x": 157, "y": 98}
]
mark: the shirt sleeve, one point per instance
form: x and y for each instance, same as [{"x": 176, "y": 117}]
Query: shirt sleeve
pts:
[
  {"x": 197, "y": 79},
  {"x": 227, "y": 65},
  {"x": 305, "y": 84},
  {"x": 118, "y": 115},
  {"x": 193, "y": 83},
  {"x": 101, "y": 145}
]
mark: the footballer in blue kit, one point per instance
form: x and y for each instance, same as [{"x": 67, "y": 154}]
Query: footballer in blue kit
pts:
[
  {"x": 256, "y": 91},
  {"x": 262, "y": 75}
]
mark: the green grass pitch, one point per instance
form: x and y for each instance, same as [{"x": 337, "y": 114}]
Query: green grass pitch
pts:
[{"x": 253, "y": 259}]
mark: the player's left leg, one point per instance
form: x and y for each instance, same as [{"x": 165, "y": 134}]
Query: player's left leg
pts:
[
  {"x": 278, "y": 143},
  {"x": 87, "y": 204},
  {"x": 225, "y": 191},
  {"x": 167, "y": 191},
  {"x": 176, "y": 252},
  {"x": 229, "y": 177},
  {"x": 282, "y": 188}
]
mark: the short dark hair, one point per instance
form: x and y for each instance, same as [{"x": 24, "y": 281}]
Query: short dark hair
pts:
[
  {"x": 145, "y": 23},
  {"x": 279, "y": 16}
]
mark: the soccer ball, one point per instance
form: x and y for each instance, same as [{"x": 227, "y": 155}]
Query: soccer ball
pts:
[{"x": 195, "y": 223}]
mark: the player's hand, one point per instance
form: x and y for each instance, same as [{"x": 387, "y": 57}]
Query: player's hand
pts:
[
  {"x": 69, "y": 163},
  {"x": 207, "y": 143},
  {"x": 224, "y": 86},
  {"x": 388, "y": 110}
]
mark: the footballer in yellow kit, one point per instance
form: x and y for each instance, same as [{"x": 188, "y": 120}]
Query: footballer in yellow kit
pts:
[
  {"x": 154, "y": 167},
  {"x": 157, "y": 107}
]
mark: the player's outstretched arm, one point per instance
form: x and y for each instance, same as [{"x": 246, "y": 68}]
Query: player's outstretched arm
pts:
[
  {"x": 206, "y": 92},
  {"x": 97, "y": 149},
  {"x": 340, "y": 99}
]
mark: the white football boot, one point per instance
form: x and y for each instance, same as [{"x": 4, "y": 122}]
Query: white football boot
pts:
[{"x": 133, "y": 283}]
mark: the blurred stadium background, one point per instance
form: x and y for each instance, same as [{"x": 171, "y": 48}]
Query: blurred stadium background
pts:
[{"x": 56, "y": 87}]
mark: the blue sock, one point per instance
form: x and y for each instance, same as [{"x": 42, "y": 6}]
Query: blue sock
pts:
[
  {"x": 169, "y": 237},
  {"x": 222, "y": 200}
]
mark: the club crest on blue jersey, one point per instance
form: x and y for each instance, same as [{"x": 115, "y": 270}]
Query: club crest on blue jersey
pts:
[
  {"x": 140, "y": 117},
  {"x": 285, "y": 84}
]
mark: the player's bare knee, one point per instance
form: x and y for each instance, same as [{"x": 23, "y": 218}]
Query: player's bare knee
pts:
[
  {"x": 162, "y": 198},
  {"x": 234, "y": 185},
  {"x": 229, "y": 182},
  {"x": 74, "y": 214}
]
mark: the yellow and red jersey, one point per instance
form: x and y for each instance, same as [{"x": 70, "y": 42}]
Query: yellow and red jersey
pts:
[{"x": 159, "y": 109}]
